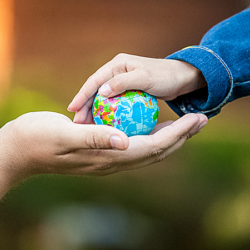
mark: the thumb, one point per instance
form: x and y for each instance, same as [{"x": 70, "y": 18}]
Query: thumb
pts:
[
  {"x": 78, "y": 136},
  {"x": 122, "y": 82}
]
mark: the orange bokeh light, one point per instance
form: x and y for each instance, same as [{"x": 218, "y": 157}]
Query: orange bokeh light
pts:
[{"x": 6, "y": 42}]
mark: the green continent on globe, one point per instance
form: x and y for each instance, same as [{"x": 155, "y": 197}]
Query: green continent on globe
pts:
[{"x": 134, "y": 112}]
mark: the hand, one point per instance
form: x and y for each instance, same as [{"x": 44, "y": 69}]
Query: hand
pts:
[
  {"x": 45, "y": 142},
  {"x": 148, "y": 149},
  {"x": 165, "y": 79}
]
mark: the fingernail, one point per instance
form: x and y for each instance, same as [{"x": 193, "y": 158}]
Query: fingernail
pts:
[
  {"x": 69, "y": 107},
  {"x": 116, "y": 142},
  {"x": 105, "y": 90}
]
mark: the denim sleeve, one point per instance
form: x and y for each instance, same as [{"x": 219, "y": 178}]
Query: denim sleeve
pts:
[{"x": 223, "y": 57}]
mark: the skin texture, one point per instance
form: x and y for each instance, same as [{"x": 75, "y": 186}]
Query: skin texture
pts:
[
  {"x": 50, "y": 143},
  {"x": 47, "y": 142},
  {"x": 165, "y": 79}
]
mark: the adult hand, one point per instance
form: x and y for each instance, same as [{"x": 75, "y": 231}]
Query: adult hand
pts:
[
  {"x": 45, "y": 142},
  {"x": 165, "y": 79}
]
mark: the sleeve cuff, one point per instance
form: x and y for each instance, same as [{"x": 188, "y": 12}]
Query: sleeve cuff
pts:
[{"x": 219, "y": 79}]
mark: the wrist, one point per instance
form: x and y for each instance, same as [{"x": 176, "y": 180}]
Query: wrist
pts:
[
  {"x": 5, "y": 179},
  {"x": 10, "y": 161},
  {"x": 190, "y": 79}
]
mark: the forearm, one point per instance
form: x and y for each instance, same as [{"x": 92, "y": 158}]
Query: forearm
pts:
[
  {"x": 223, "y": 57},
  {"x": 11, "y": 160},
  {"x": 191, "y": 79},
  {"x": 5, "y": 163},
  {"x": 4, "y": 183}
]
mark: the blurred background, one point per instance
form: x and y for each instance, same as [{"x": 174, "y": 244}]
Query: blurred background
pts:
[{"x": 198, "y": 198}]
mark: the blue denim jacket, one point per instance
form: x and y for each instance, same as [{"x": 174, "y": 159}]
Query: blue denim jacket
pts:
[{"x": 223, "y": 57}]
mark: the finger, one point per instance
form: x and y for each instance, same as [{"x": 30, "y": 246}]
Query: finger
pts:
[
  {"x": 87, "y": 91},
  {"x": 83, "y": 114},
  {"x": 184, "y": 135},
  {"x": 165, "y": 141},
  {"x": 89, "y": 119},
  {"x": 91, "y": 86},
  {"x": 189, "y": 124},
  {"x": 122, "y": 82},
  {"x": 83, "y": 118},
  {"x": 160, "y": 126},
  {"x": 142, "y": 150},
  {"x": 173, "y": 148},
  {"x": 77, "y": 136}
]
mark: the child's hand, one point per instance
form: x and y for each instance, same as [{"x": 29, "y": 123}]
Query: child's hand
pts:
[{"x": 165, "y": 79}]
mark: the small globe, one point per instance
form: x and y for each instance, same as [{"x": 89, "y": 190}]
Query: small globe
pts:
[{"x": 134, "y": 112}]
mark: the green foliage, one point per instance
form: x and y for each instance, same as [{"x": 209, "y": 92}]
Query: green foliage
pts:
[
  {"x": 198, "y": 198},
  {"x": 21, "y": 101}
]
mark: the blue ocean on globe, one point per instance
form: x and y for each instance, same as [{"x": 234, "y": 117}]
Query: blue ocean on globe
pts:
[{"x": 133, "y": 112}]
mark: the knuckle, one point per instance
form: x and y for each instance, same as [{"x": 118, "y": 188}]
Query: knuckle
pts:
[
  {"x": 119, "y": 82},
  {"x": 158, "y": 154},
  {"x": 106, "y": 166},
  {"x": 188, "y": 136},
  {"x": 121, "y": 56},
  {"x": 93, "y": 141},
  {"x": 102, "y": 169}
]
